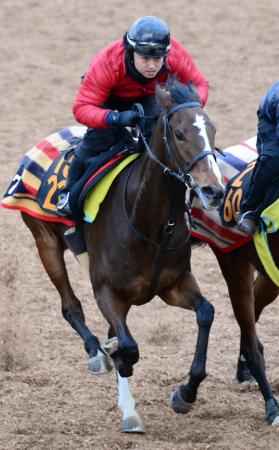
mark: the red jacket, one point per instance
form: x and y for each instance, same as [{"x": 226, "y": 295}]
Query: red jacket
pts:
[{"x": 107, "y": 76}]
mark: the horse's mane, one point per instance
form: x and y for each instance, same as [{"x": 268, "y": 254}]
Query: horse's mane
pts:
[{"x": 180, "y": 92}]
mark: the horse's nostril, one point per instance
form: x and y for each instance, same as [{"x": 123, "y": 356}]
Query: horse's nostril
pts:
[
  {"x": 209, "y": 191},
  {"x": 212, "y": 192}
]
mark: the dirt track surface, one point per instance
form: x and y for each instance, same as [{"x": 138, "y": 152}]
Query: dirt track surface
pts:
[{"x": 48, "y": 399}]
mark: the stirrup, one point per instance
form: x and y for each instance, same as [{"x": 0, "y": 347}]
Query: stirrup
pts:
[
  {"x": 63, "y": 207},
  {"x": 246, "y": 224}
]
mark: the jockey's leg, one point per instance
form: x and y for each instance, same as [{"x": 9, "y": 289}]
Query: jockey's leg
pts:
[
  {"x": 94, "y": 142},
  {"x": 266, "y": 169}
]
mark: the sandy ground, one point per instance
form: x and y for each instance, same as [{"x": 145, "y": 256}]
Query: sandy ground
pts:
[{"x": 48, "y": 399}]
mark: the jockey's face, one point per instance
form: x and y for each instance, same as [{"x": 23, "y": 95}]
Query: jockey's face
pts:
[{"x": 148, "y": 66}]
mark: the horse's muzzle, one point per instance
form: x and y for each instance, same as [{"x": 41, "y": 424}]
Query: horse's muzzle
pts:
[{"x": 213, "y": 196}]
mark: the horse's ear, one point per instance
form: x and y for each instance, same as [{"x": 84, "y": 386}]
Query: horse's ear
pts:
[{"x": 164, "y": 98}]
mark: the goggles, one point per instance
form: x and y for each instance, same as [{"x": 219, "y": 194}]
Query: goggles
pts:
[{"x": 149, "y": 48}]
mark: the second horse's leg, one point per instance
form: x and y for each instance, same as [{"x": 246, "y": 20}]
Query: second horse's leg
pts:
[
  {"x": 187, "y": 295},
  {"x": 238, "y": 272},
  {"x": 265, "y": 292}
]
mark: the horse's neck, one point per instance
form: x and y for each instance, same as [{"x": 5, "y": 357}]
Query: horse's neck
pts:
[{"x": 150, "y": 192}]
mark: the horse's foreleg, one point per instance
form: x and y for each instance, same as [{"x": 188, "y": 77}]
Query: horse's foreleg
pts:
[
  {"x": 51, "y": 251},
  {"x": 115, "y": 311},
  {"x": 188, "y": 296},
  {"x": 131, "y": 421}
]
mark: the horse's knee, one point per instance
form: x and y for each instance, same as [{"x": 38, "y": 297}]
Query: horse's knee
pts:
[{"x": 205, "y": 313}]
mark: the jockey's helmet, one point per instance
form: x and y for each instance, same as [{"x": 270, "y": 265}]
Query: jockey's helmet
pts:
[{"x": 149, "y": 36}]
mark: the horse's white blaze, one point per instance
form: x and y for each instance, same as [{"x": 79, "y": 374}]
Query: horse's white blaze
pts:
[
  {"x": 126, "y": 401},
  {"x": 215, "y": 169},
  {"x": 200, "y": 123}
]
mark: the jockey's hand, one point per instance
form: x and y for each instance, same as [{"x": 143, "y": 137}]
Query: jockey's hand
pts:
[{"x": 122, "y": 119}]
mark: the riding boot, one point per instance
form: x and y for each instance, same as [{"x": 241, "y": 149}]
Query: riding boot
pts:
[
  {"x": 247, "y": 222},
  {"x": 264, "y": 172},
  {"x": 75, "y": 172}
]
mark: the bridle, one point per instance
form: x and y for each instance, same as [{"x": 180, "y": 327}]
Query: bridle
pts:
[{"x": 179, "y": 174}]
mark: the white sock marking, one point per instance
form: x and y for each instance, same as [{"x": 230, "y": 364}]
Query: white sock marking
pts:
[{"x": 126, "y": 401}]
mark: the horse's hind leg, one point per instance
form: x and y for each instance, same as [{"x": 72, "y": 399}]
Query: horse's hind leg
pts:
[
  {"x": 131, "y": 421},
  {"x": 51, "y": 251},
  {"x": 187, "y": 295},
  {"x": 238, "y": 273}
]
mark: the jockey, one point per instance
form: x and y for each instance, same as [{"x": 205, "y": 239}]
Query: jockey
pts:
[
  {"x": 267, "y": 165},
  {"x": 125, "y": 73}
]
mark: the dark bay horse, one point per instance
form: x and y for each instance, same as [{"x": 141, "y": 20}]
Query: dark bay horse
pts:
[
  {"x": 139, "y": 244},
  {"x": 249, "y": 296}
]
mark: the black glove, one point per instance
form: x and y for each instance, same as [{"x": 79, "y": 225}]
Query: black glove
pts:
[{"x": 122, "y": 119}]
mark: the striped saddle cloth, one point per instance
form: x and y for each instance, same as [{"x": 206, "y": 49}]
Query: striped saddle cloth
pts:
[{"x": 43, "y": 172}]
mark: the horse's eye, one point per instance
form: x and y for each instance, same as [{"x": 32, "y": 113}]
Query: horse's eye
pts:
[{"x": 179, "y": 135}]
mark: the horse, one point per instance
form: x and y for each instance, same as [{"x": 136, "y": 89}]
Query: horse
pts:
[
  {"x": 150, "y": 251},
  {"x": 249, "y": 295},
  {"x": 248, "y": 299}
]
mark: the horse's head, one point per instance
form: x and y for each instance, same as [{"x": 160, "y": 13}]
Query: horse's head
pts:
[{"x": 188, "y": 136}]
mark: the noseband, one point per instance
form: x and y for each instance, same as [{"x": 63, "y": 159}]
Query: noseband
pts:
[{"x": 179, "y": 174}]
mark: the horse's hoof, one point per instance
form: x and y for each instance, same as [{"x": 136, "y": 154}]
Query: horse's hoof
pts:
[
  {"x": 178, "y": 404},
  {"x": 272, "y": 411},
  {"x": 99, "y": 364},
  {"x": 132, "y": 425}
]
